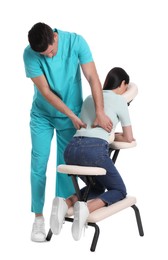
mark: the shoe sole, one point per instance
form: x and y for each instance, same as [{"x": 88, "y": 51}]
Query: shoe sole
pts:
[
  {"x": 77, "y": 226},
  {"x": 38, "y": 240},
  {"x": 55, "y": 221}
]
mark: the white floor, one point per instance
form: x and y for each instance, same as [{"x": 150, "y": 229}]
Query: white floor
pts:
[{"x": 119, "y": 239}]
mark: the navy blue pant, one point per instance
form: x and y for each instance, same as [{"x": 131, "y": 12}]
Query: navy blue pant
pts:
[{"x": 94, "y": 152}]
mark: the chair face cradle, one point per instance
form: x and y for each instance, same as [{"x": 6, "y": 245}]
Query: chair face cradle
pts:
[{"x": 76, "y": 171}]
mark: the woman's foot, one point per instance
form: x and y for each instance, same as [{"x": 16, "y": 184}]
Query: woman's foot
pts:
[
  {"x": 81, "y": 214},
  {"x": 58, "y": 212}
]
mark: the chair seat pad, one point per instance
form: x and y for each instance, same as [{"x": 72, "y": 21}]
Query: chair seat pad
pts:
[{"x": 80, "y": 170}]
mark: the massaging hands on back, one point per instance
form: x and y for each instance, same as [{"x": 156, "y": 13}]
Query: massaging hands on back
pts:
[{"x": 100, "y": 121}]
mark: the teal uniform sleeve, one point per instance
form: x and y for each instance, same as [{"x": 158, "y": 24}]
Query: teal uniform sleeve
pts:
[
  {"x": 32, "y": 63},
  {"x": 85, "y": 55}
]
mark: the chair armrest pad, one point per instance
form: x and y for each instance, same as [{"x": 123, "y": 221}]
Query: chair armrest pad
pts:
[{"x": 122, "y": 145}]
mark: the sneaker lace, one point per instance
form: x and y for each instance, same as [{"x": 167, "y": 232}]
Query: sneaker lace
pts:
[
  {"x": 84, "y": 229},
  {"x": 38, "y": 228}
]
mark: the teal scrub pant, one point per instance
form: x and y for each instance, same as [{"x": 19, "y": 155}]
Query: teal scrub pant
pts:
[{"x": 42, "y": 131}]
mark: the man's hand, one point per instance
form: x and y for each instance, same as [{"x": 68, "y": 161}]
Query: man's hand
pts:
[
  {"x": 77, "y": 122},
  {"x": 103, "y": 121}
]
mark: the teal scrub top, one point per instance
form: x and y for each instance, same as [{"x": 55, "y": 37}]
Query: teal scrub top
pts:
[{"x": 61, "y": 71}]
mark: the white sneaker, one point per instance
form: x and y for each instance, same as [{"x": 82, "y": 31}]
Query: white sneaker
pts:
[
  {"x": 81, "y": 214},
  {"x": 58, "y": 212},
  {"x": 38, "y": 231}
]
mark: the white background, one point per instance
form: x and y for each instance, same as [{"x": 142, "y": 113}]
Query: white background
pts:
[{"x": 127, "y": 33}]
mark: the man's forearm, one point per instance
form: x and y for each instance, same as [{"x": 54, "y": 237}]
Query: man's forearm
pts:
[
  {"x": 97, "y": 96},
  {"x": 91, "y": 75},
  {"x": 56, "y": 102},
  {"x": 42, "y": 85}
]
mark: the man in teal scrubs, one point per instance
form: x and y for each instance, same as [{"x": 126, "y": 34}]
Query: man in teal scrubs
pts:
[{"x": 53, "y": 60}]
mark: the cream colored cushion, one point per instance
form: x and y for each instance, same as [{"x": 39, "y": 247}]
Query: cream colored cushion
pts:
[
  {"x": 80, "y": 170},
  {"x": 131, "y": 92},
  {"x": 122, "y": 145},
  {"x": 105, "y": 212}
]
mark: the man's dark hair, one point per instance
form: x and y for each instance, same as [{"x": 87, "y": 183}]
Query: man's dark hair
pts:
[
  {"x": 40, "y": 36},
  {"x": 114, "y": 78}
]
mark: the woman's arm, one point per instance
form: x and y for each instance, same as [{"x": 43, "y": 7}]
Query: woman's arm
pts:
[{"x": 125, "y": 136}]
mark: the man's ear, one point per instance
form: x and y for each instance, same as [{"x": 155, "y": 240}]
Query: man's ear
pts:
[{"x": 55, "y": 36}]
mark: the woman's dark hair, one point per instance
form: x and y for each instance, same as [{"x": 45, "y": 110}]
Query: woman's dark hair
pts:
[
  {"x": 114, "y": 78},
  {"x": 40, "y": 36}
]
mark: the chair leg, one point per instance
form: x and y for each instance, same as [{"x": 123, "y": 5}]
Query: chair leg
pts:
[
  {"x": 96, "y": 234},
  {"x": 49, "y": 235},
  {"x": 138, "y": 219},
  {"x": 69, "y": 219},
  {"x": 95, "y": 237}
]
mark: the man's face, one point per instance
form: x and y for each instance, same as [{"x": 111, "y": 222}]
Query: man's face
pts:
[{"x": 52, "y": 49}]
